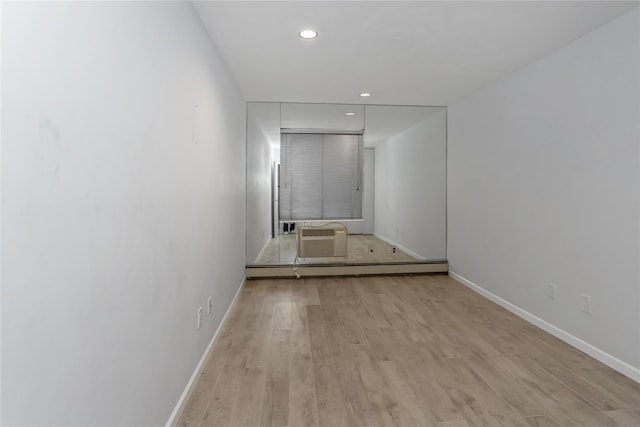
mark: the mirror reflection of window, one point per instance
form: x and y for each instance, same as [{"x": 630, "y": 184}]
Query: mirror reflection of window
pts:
[{"x": 321, "y": 177}]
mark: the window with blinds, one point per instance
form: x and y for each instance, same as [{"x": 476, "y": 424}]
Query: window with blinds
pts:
[{"x": 320, "y": 177}]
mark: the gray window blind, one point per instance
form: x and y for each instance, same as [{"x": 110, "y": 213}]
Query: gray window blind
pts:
[{"x": 321, "y": 177}]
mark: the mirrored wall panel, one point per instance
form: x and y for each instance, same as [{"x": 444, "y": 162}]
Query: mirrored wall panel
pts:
[{"x": 339, "y": 183}]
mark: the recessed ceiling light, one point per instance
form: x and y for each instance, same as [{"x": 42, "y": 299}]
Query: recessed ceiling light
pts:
[
  {"x": 365, "y": 94},
  {"x": 308, "y": 34},
  {"x": 351, "y": 113}
]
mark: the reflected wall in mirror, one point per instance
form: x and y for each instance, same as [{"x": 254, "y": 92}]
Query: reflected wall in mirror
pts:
[
  {"x": 263, "y": 151},
  {"x": 410, "y": 177},
  {"x": 380, "y": 171}
]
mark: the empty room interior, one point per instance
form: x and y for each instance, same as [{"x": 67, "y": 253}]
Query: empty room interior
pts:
[{"x": 318, "y": 213}]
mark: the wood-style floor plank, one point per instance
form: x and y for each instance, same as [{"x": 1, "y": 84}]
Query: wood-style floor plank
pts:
[
  {"x": 275, "y": 406},
  {"x": 331, "y": 409},
  {"x": 320, "y": 350},
  {"x": 387, "y": 407},
  {"x": 248, "y": 402},
  {"x": 396, "y": 351},
  {"x": 353, "y": 393},
  {"x": 303, "y": 410},
  {"x": 479, "y": 403}
]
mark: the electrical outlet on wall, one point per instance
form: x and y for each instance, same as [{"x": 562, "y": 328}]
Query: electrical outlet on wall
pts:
[
  {"x": 553, "y": 291},
  {"x": 393, "y": 249},
  {"x": 371, "y": 250},
  {"x": 586, "y": 303}
]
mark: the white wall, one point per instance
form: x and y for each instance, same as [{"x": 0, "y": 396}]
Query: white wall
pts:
[
  {"x": 122, "y": 208},
  {"x": 410, "y": 188},
  {"x": 263, "y": 136},
  {"x": 543, "y": 186}
]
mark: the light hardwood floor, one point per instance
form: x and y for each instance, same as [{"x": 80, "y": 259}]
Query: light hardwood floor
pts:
[{"x": 396, "y": 351}]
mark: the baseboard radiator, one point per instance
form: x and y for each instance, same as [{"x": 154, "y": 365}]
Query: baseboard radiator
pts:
[{"x": 320, "y": 242}]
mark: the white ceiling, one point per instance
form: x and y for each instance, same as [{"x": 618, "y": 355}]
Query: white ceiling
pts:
[
  {"x": 385, "y": 122},
  {"x": 403, "y": 52}
]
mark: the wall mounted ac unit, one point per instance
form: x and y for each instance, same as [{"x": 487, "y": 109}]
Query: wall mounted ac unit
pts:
[{"x": 318, "y": 242}]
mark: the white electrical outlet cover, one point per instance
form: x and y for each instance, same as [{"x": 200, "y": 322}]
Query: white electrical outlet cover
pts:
[{"x": 586, "y": 303}]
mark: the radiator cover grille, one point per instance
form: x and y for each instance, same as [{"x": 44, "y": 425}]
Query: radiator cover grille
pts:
[{"x": 318, "y": 232}]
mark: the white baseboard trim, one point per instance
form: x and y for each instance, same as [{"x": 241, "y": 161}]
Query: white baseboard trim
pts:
[
  {"x": 186, "y": 394},
  {"x": 402, "y": 248},
  {"x": 598, "y": 354}
]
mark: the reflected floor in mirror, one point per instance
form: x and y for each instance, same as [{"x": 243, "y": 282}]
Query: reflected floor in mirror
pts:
[{"x": 360, "y": 248}]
